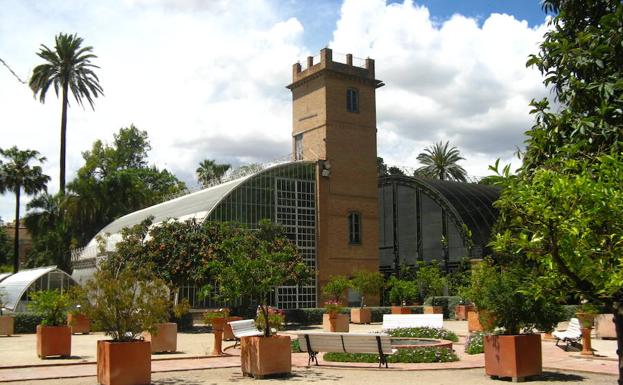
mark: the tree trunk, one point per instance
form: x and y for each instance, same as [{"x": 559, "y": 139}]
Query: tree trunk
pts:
[
  {"x": 618, "y": 324},
  {"x": 264, "y": 309},
  {"x": 16, "y": 237},
  {"x": 63, "y": 137}
]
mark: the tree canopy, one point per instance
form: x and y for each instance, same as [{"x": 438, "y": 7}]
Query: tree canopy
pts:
[
  {"x": 441, "y": 162},
  {"x": 209, "y": 172}
]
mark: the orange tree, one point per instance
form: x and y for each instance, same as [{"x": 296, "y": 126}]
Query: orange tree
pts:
[{"x": 252, "y": 263}]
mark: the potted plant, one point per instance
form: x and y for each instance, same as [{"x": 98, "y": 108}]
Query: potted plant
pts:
[
  {"x": 250, "y": 264},
  {"x": 431, "y": 283},
  {"x": 123, "y": 302},
  {"x": 366, "y": 283},
  {"x": 502, "y": 293},
  {"x": 332, "y": 320},
  {"x": 165, "y": 338},
  {"x": 53, "y": 334},
  {"x": 7, "y": 322},
  {"x": 462, "y": 309},
  {"x": 401, "y": 293},
  {"x": 437, "y": 306},
  {"x": 217, "y": 319}
]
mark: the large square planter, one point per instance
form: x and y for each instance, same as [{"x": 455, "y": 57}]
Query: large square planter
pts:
[
  {"x": 400, "y": 310},
  {"x": 460, "y": 312},
  {"x": 165, "y": 340},
  {"x": 473, "y": 322},
  {"x": 262, "y": 357},
  {"x": 228, "y": 334},
  {"x": 123, "y": 363},
  {"x": 53, "y": 341},
  {"x": 604, "y": 326},
  {"x": 339, "y": 323},
  {"x": 79, "y": 323},
  {"x": 360, "y": 315},
  {"x": 516, "y": 356},
  {"x": 433, "y": 309},
  {"x": 7, "y": 325}
]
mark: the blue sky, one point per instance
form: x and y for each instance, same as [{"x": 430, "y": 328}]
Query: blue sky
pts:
[{"x": 206, "y": 79}]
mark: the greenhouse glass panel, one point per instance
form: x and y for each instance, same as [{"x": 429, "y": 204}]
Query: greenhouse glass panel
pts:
[{"x": 431, "y": 229}]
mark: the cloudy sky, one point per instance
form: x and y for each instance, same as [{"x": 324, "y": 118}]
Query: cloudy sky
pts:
[{"x": 206, "y": 78}]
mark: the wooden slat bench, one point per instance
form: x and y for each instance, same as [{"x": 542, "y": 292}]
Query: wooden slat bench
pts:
[
  {"x": 244, "y": 328},
  {"x": 395, "y": 321},
  {"x": 314, "y": 343}
]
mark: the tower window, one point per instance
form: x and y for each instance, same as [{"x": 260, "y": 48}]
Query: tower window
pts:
[
  {"x": 352, "y": 100},
  {"x": 298, "y": 147},
  {"x": 354, "y": 228}
]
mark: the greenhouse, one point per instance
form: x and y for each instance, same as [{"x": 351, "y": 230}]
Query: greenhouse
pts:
[
  {"x": 16, "y": 287},
  {"x": 427, "y": 219},
  {"x": 284, "y": 193}
]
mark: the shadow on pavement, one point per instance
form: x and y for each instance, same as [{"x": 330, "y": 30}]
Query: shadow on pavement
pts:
[{"x": 559, "y": 377}]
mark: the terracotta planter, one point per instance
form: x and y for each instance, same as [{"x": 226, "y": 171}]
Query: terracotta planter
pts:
[
  {"x": 604, "y": 326},
  {"x": 123, "y": 363},
  {"x": 79, "y": 323},
  {"x": 517, "y": 356},
  {"x": 165, "y": 340},
  {"x": 400, "y": 310},
  {"x": 53, "y": 341},
  {"x": 339, "y": 323},
  {"x": 433, "y": 309},
  {"x": 360, "y": 315},
  {"x": 218, "y": 325},
  {"x": 586, "y": 319},
  {"x": 228, "y": 334},
  {"x": 7, "y": 325},
  {"x": 262, "y": 357},
  {"x": 460, "y": 312},
  {"x": 474, "y": 324}
]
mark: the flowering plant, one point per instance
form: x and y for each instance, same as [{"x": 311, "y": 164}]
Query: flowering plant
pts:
[
  {"x": 209, "y": 316},
  {"x": 332, "y": 307}
]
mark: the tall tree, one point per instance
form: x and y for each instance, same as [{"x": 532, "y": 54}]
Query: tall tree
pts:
[
  {"x": 5, "y": 246},
  {"x": 210, "y": 172},
  {"x": 68, "y": 68},
  {"x": 563, "y": 209},
  {"x": 441, "y": 162},
  {"x": 381, "y": 167},
  {"x": 17, "y": 174}
]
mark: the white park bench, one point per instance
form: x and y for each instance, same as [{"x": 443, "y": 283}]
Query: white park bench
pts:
[
  {"x": 313, "y": 343},
  {"x": 244, "y": 328},
  {"x": 395, "y": 321},
  {"x": 573, "y": 334}
]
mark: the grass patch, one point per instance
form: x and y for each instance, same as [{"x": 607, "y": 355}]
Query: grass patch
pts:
[
  {"x": 295, "y": 346},
  {"x": 402, "y": 355},
  {"x": 424, "y": 332}
]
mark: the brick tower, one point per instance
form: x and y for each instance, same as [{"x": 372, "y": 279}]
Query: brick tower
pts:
[{"x": 334, "y": 123}]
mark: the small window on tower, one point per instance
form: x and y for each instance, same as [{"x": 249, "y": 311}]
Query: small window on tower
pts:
[
  {"x": 298, "y": 147},
  {"x": 352, "y": 100},
  {"x": 354, "y": 228}
]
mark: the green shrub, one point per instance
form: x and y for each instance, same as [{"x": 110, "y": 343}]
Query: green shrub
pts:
[
  {"x": 26, "y": 323},
  {"x": 402, "y": 355},
  {"x": 402, "y": 291},
  {"x": 336, "y": 287},
  {"x": 295, "y": 346},
  {"x": 51, "y": 305},
  {"x": 474, "y": 344},
  {"x": 184, "y": 323},
  {"x": 424, "y": 332},
  {"x": 276, "y": 321}
]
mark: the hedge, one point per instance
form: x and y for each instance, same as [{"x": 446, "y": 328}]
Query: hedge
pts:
[
  {"x": 401, "y": 355},
  {"x": 26, "y": 323},
  {"x": 448, "y": 302},
  {"x": 313, "y": 316}
]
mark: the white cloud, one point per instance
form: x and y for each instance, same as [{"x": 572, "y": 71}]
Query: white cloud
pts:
[
  {"x": 454, "y": 81},
  {"x": 206, "y": 78}
]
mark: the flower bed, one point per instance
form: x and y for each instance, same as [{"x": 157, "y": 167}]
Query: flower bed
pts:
[
  {"x": 424, "y": 355},
  {"x": 424, "y": 332}
]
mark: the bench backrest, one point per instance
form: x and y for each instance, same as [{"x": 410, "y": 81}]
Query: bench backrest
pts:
[
  {"x": 573, "y": 329},
  {"x": 345, "y": 342},
  {"x": 394, "y": 321},
  {"x": 244, "y": 328}
]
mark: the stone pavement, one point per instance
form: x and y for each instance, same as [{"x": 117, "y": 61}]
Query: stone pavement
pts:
[{"x": 18, "y": 360}]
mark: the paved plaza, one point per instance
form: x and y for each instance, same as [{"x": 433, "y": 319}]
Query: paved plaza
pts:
[{"x": 192, "y": 364}]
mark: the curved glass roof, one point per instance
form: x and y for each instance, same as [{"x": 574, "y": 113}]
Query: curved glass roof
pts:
[
  {"x": 4, "y": 275},
  {"x": 197, "y": 205},
  {"x": 469, "y": 203},
  {"x": 16, "y": 285}
]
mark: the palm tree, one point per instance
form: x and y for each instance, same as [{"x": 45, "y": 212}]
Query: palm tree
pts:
[
  {"x": 16, "y": 175},
  {"x": 68, "y": 68},
  {"x": 209, "y": 172},
  {"x": 440, "y": 162}
]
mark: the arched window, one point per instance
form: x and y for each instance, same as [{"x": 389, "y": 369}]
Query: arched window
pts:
[
  {"x": 354, "y": 228},
  {"x": 352, "y": 100}
]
